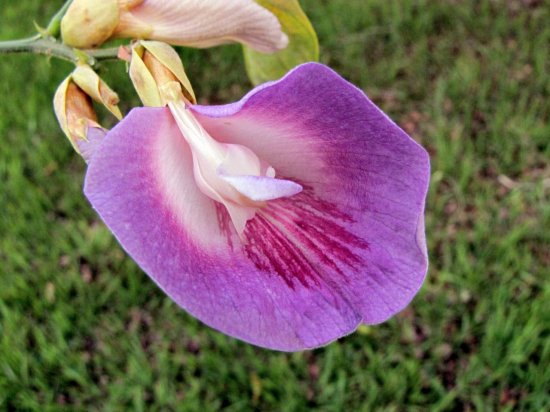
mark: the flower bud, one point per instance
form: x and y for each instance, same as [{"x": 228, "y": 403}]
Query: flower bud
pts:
[
  {"x": 203, "y": 23},
  {"x": 89, "y": 81},
  {"x": 73, "y": 103},
  {"x": 89, "y": 23},
  {"x": 158, "y": 74},
  {"x": 74, "y": 111}
]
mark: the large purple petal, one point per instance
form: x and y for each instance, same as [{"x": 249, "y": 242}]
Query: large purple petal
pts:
[{"x": 349, "y": 248}]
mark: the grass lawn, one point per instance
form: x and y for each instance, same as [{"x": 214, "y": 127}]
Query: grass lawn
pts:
[{"x": 83, "y": 328}]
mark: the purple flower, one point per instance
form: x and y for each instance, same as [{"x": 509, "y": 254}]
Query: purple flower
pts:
[{"x": 287, "y": 262}]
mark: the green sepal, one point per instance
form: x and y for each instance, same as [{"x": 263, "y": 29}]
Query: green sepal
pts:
[{"x": 303, "y": 45}]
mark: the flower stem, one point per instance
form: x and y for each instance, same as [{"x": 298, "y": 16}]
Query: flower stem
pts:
[
  {"x": 54, "y": 26},
  {"x": 49, "y": 47},
  {"x": 45, "y": 43}
]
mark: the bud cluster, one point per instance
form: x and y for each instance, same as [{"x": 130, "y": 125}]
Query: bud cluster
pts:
[{"x": 154, "y": 67}]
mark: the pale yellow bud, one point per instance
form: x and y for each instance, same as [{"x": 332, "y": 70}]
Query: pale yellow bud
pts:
[
  {"x": 73, "y": 103},
  {"x": 89, "y": 23},
  {"x": 158, "y": 74},
  {"x": 88, "y": 80},
  {"x": 74, "y": 111}
]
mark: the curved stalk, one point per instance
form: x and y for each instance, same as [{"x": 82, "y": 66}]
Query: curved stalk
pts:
[
  {"x": 50, "y": 47},
  {"x": 54, "y": 25}
]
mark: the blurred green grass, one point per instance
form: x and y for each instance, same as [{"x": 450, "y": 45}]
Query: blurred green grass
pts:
[{"x": 82, "y": 328}]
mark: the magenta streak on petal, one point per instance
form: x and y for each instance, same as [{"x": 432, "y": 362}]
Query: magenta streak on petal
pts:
[
  {"x": 224, "y": 222},
  {"x": 302, "y": 230},
  {"x": 301, "y": 239},
  {"x": 284, "y": 258}
]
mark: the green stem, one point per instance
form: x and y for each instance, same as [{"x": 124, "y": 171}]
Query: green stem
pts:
[
  {"x": 50, "y": 47},
  {"x": 54, "y": 26}
]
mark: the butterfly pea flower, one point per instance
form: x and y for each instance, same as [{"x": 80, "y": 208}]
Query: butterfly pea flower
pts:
[
  {"x": 73, "y": 104},
  {"x": 205, "y": 23},
  {"x": 159, "y": 78},
  {"x": 285, "y": 219}
]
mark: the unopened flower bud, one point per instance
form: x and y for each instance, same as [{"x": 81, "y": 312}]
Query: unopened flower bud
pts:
[
  {"x": 74, "y": 111},
  {"x": 158, "y": 74},
  {"x": 89, "y": 23},
  {"x": 203, "y": 23},
  {"x": 89, "y": 81},
  {"x": 73, "y": 104}
]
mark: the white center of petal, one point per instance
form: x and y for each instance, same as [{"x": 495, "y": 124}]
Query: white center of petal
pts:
[{"x": 231, "y": 174}]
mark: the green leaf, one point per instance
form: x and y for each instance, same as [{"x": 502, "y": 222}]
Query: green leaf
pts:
[{"x": 302, "y": 47}]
